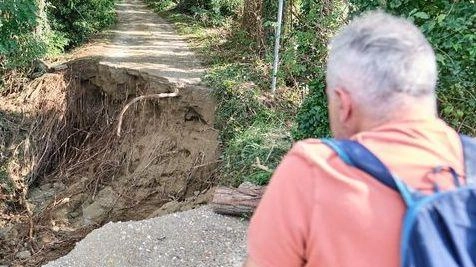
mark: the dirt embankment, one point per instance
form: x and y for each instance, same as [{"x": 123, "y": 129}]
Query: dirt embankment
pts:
[{"x": 65, "y": 171}]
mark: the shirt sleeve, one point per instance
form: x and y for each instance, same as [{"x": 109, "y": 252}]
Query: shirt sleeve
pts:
[{"x": 279, "y": 227}]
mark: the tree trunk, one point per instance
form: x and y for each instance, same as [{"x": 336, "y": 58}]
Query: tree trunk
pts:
[
  {"x": 241, "y": 201},
  {"x": 252, "y": 21},
  {"x": 42, "y": 20}
]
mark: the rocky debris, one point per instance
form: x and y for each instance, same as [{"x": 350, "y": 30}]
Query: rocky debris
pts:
[
  {"x": 8, "y": 233},
  {"x": 198, "y": 198},
  {"x": 97, "y": 211},
  {"x": 196, "y": 237},
  {"x": 39, "y": 196}
]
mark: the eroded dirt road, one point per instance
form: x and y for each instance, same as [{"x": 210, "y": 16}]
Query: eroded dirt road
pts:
[
  {"x": 145, "y": 45},
  {"x": 86, "y": 176}
]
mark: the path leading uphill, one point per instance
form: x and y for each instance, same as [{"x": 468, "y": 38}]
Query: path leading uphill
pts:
[{"x": 145, "y": 43}]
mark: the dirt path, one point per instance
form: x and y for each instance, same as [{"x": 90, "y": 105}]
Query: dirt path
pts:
[{"x": 144, "y": 41}]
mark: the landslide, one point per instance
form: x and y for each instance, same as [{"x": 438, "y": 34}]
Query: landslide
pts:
[{"x": 64, "y": 170}]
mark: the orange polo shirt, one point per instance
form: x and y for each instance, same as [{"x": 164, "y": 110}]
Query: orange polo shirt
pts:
[{"x": 318, "y": 211}]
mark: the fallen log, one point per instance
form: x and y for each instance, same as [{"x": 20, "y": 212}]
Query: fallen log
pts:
[{"x": 241, "y": 201}]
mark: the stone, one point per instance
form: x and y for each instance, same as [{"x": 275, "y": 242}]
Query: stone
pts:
[
  {"x": 8, "y": 233},
  {"x": 96, "y": 212},
  {"x": 93, "y": 213},
  {"x": 24, "y": 255}
]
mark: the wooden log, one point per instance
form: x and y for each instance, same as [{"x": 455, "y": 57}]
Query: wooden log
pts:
[{"x": 241, "y": 201}]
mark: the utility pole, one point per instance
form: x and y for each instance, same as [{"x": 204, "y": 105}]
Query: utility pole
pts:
[{"x": 277, "y": 46}]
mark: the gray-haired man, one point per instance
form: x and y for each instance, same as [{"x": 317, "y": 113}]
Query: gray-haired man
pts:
[{"x": 317, "y": 211}]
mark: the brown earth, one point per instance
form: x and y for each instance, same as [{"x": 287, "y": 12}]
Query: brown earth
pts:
[{"x": 65, "y": 171}]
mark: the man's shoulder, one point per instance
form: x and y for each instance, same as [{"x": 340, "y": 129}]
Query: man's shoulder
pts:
[{"x": 312, "y": 150}]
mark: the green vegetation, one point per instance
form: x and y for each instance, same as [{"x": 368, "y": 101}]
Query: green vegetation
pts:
[
  {"x": 19, "y": 43},
  {"x": 32, "y": 29},
  {"x": 305, "y": 60},
  {"x": 75, "y": 21}
]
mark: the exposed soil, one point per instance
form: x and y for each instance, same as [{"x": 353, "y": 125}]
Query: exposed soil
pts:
[{"x": 65, "y": 171}]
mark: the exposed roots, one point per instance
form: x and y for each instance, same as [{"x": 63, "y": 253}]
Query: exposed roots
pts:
[
  {"x": 139, "y": 98},
  {"x": 64, "y": 171}
]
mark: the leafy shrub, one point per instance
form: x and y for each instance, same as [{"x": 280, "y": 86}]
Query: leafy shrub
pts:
[
  {"x": 305, "y": 44},
  {"x": 254, "y": 154},
  {"x": 208, "y": 12},
  {"x": 67, "y": 24},
  {"x": 238, "y": 99},
  {"x": 161, "y": 5},
  {"x": 450, "y": 28},
  {"x": 219, "y": 7},
  {"x": 18, "y": 42},
  {"x": 79, "y": 19},
  {"x": 304, "y": 61},
  {"x": 253, "y": 127},
  {"x": 55, "y": 42},
  {"x": 312, "y": 118}
]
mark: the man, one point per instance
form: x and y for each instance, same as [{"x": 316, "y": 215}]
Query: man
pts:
[{"x": 318, "y": 211}]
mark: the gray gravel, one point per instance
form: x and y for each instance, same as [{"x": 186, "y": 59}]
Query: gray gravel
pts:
[{"x": 197, "y": 237}]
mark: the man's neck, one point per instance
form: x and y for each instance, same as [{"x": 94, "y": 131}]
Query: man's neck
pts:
[{"x": 421, "y": 111}]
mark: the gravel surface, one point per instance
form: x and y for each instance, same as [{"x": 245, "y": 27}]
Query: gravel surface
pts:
[
  {"x": 146, "y": 42},
  {"x": 197, "y": 237}
]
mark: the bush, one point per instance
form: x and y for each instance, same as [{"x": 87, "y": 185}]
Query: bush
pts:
[
  {"x": 25, "y": 36},
  {"x": 304, "y": 61},
  {"x": 312, "y": 118},
  {"x": 208, "y": 12},
  {"x": 77, "y": 20},
  {"x": 19, "y": 45},
  {"x": 219, "y": 7},
  {"x": 253, "y": 126},
  {"x": 253, "y": 154},
  {"x": 239, "y": 103},
  {"x": 161, "y": 5}
]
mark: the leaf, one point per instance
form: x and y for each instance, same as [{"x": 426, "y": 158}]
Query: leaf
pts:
[{"x": 421, "y": 15}]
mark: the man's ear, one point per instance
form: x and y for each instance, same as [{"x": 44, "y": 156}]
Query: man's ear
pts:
[{"x": 345, "y": 105}]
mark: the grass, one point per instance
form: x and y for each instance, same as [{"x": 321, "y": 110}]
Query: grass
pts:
[{"x": 254, "y": 125}]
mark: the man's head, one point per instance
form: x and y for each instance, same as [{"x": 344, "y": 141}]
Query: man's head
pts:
[{"x": 380, "y": 68}]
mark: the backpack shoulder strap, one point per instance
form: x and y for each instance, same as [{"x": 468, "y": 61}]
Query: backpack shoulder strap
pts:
[
  {"x": 358, "y": 156},
  {"x": 469, "y": 152}
]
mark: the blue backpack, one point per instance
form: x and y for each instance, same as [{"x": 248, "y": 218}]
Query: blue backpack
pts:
[{"x": 439, "y": 230}]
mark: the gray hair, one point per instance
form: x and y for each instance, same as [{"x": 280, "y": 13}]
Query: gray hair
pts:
[{"x": 378, "y": 57}]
